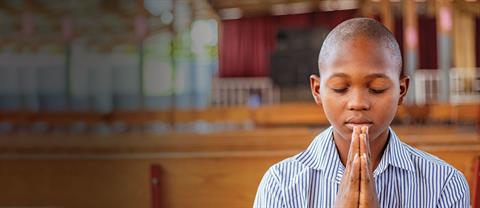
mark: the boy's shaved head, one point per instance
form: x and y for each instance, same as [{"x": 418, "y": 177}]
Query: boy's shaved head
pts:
[
  {"x": 367, "y": 28},
  {"x": 360, "y": 82}
]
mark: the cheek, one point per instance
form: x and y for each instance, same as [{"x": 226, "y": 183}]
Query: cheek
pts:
[
  {"x": 332, "y": 106},
  {"x": 387, "y": 100},
  {"x": 329, "y": 99},
  {"x": 386, "y": 108}
]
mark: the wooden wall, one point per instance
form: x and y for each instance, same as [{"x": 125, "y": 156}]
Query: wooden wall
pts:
[{"x": 197, "y": 170}]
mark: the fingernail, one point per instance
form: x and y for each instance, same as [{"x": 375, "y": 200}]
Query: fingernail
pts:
[
  {"x": 356, "y": 156},
  {"x": 364, "y": 129},
  {"x": 364, "y": 156}
]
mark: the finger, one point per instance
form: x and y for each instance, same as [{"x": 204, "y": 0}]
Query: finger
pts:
[
  {"x": 354, "y": 149},
  {"x": 363, "y": 168},
  {"x": 364, "y": 186},
  {"x": 364, "y": 145},
  {"x": 364, "y": 129},
  {"x": 369, "y": 182},
  {"x": 354, "y": 182},
  {"x": 354, "y": 144},
  {"x": 364, "y": 142},
  {"x": 355, "y": 174},
  {"x": 367, "y": 138},
  {"x": 365, "y": 174}
]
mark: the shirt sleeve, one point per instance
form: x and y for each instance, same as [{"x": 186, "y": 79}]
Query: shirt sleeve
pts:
[
  {"x": 269, "y": 194},
  {"x": 456, "y": 193}
]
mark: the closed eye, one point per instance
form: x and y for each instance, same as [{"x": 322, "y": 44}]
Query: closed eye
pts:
[
  {"x": 341, "y": 90},
  {"x": 375, "y": 91}
]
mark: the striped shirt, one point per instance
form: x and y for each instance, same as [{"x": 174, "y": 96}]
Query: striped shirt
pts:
[{"x": 405, "y": 177}]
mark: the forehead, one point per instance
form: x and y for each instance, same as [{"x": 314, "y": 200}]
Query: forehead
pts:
[{"x": 360, "y": 57}]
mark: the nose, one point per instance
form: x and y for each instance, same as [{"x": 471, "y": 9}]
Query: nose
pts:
[{"x": 358, "y": 101}]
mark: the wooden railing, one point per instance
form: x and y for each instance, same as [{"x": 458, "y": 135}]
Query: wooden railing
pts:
[
  {"x": 464, "y": 86},
  {"x": 239, "y": 91},
  {"x": 294, "y": 114}
]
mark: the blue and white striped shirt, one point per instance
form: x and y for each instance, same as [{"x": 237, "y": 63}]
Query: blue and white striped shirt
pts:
[{"x": 405, "y": 177}]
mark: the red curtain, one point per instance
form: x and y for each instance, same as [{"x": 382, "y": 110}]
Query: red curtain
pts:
[
  {"x": 477, "y": 40},
  {"x": 244, "y": 47},
  {"x": 398, "y": 33},
  {"x": 427, "y": 42},
  {"x": 245, "y": 44}
]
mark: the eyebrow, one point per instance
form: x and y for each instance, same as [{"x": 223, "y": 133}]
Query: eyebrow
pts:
[
  {"x": 370, "y": 76},
  {"x": 377, "y": 75},
  {"x": 339, "y": 75}
]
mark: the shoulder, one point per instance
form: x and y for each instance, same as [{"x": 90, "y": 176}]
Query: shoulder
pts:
[
  {"x": 424, "y": 160},
  {"x": 313, "y": 157},
  {"x": 450, "y": 183},
  {"x": 448, "y": 186},
  {"x": 433, "y": 168},
  {"x": 287, "y": 169},
  {"x": 271, "y": 191}
]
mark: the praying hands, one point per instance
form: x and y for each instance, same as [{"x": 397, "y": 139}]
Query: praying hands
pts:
[{"x": 357, "y": 188}]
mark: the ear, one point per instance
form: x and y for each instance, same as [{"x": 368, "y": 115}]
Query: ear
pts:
[
  {"x": 315, "y": 88},
  {"x": 404, "y": 83}
]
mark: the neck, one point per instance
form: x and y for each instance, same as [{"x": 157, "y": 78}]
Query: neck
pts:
[{"x": 377, "y": 147}]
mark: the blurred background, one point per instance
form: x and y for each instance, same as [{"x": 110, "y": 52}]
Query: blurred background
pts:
[{"x": 186, "y": 103}]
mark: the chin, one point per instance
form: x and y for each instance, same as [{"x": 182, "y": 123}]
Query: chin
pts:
[{"x": 344, "y": 132}]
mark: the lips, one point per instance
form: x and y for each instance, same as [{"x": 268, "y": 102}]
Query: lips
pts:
[{"x": 357, "y": 121}]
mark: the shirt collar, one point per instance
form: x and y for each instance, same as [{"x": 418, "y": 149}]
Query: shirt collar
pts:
[
  {"x": 322, "y": 155},
  {"x": 395, "y": 154}
]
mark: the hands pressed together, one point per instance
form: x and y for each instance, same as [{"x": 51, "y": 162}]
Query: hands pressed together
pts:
[{"x": 357, "y": 188}]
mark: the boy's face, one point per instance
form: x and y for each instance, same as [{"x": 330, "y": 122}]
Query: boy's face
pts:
[{"x": 359, "y": 84}]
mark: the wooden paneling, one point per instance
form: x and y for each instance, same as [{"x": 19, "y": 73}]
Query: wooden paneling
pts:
[
  {"x": 292, "y": 115},
  {"x": 197, "y": 170}
]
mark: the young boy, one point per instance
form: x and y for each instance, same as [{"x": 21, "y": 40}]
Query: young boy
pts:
[{"x": 359, "y": 161}]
